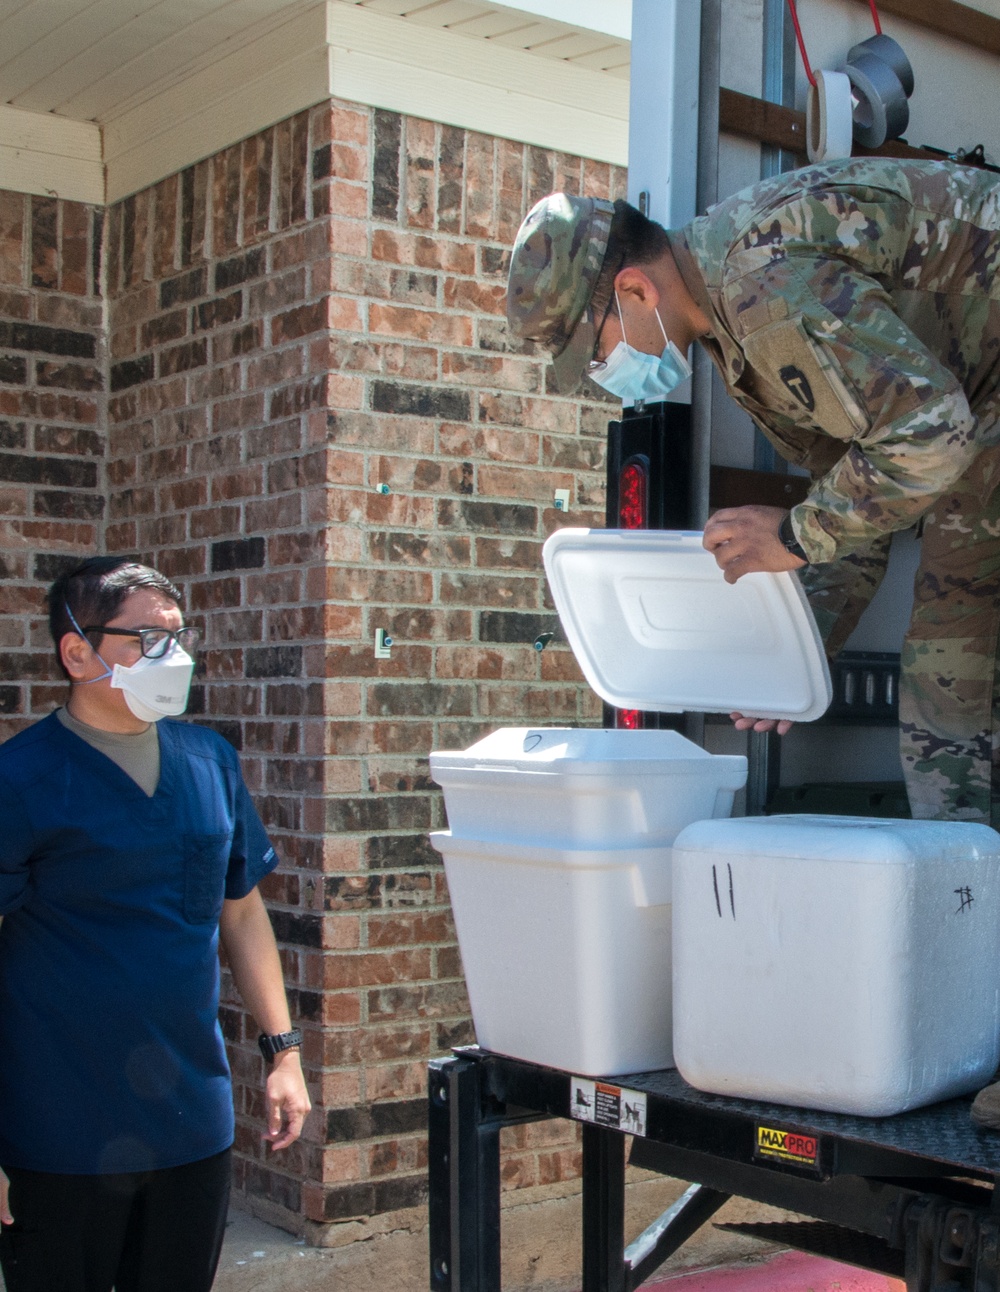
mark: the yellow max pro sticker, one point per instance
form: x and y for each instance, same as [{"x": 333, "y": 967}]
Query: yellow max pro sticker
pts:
[{"x": 791, "y": 1147}]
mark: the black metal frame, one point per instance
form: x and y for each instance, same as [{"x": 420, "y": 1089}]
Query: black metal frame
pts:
[{"x": 911, "y": 1196}]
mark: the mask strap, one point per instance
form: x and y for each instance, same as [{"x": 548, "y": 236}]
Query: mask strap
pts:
[
  {"x": 80, "y": 633},
  {"x": 662, "y": 328},
  {"x": 620, "y": 319}
]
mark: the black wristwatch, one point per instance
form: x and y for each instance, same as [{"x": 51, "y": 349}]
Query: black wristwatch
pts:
[
  {"x": 789, "y": 542},
  {"x": 272, "y": 1045}
]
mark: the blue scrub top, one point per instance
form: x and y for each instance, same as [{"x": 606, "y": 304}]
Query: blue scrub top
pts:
[{"x": 111, "y": 1055}]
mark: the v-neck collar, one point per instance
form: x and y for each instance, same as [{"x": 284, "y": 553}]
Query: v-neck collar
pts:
[{"x": 110, "y": 771}]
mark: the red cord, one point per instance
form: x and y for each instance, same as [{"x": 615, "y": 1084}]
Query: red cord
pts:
[{"x": 802, "y": 44}]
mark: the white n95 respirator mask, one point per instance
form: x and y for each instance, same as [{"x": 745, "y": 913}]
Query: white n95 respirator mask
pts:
[{"x": 156, "y": 688}]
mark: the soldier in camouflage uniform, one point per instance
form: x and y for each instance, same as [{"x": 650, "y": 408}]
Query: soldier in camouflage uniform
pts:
[{"x": 853, "y": 310}]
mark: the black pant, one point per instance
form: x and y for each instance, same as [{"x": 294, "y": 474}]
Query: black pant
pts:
[{"x": 154, "y": 1231}]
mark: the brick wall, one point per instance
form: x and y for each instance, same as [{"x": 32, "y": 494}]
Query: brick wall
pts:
[
  {"x": 317, "y": 426},
  {"x": 51, "y": 429}
]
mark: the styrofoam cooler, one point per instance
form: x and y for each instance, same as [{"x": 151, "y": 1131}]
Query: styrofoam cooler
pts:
[
  {"x": 840, "y": 963},
  {"x": 558, "y": 868}
]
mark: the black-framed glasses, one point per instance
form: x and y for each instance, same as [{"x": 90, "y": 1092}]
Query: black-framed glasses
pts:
[{"x": 155, "y": 642}]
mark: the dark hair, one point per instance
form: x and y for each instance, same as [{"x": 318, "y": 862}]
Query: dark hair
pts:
[
  {"x": 96, "y": 590},
  {"x": 634, "y": 239}
]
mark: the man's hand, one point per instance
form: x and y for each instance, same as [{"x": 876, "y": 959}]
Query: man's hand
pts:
[
  {"x": 742, "y": 723},
  {"x": 288, "y": 1100},
  {"x": 5, "y": 1217},
  {"x": 744, "y": 540}
]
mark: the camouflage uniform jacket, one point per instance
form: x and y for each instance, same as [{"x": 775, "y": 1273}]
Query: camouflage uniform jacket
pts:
[{"x": 855, "y": 314}]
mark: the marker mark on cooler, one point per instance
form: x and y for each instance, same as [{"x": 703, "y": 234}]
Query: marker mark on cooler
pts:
[
  {"x": 732, "y": 903},
  {"x": 965, "y": 897},
  {"x": 715, "y": 885}
]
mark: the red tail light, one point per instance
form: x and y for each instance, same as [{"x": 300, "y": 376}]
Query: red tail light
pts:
[
  {"x": 633, "y": 492},
  {"x": 629, "y": 720}
]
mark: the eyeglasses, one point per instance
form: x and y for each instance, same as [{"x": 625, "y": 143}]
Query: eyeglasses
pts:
[
  {"x": 595, "y": 364},
  {"x": 155, "y": 642}
]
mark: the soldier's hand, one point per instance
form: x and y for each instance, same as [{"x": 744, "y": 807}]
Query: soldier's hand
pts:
[
  {"x": 744, "y": 540},
  {"x": 743, "y": 723},
  {"x": 5, "y": 1217}
]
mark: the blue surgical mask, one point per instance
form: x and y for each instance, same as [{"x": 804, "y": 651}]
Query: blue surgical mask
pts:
[{"x": 640, "y": 378}]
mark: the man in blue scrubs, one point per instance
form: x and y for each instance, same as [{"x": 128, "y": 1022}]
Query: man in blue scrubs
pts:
[{"x": 129, "y": 849}]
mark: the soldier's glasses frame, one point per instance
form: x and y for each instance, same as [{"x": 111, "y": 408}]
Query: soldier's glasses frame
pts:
[
  {"x": 155, "y": 642},
  {"x": 595, "y": 364}
]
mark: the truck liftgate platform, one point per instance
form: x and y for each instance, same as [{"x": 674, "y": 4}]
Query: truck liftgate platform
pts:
[{"x": 912, "y": 1196}]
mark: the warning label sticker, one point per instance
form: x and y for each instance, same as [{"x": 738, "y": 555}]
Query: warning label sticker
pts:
[
  {"x": 610, "y": 1106},
  {"x": 790, "y": 1147}
]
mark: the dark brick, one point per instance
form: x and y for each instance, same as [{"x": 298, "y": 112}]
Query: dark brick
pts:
[
  {"x": 385, "y": 169},
  {"x": 49, "y": 566},
  {"x": 68, "y": 506},
  {"x": 13, "y": 435},
  {"x": 490, "y": 517},
  {"x": 22, "y": 469},
  {"x": 181, "y": 358},
  {"x": 420, "y": 699},
  {"x": 231, "y": 731},
  {"x": 348, "y": 1200},
  {"x": 95, "y": 253},
  {"x": 400, "y": 852},
  {"x": 322, "y": 162},
  {"x": 164, "y": 328},
  {"x": 69, "y": 376},
  {"x": 511, "y": 626},
  {"x": 238, "y": 554},
  {"x": 68, "y": 439},
  {"x": 196, "y": 702},
  {"x": 399, "y": 1117},
  {"x": 297, "y": 930},
  {"x": 398, "y": 1192},
  {"x": 13, "y": 372},
  {"x": 130, "y": 372},
  {"x": 420, "y": 401},
  {"x": 44, "y": 242},
  {"x": 185, "y": 287},
  {"x": 10, "y": 699},
  {"x": 307, "y": 1004},
  {"x": 220, "y": 310},
  {"x": 385, "y": 812},
  {"x": 352, "y": 892},
  {"x": 230, "y": 273},
  {"x": 47, "y": 340},
  {"x": 496, "y": 260},
  {"x": 274, "y": 661},
  {"x": 396, "y": 1117}
]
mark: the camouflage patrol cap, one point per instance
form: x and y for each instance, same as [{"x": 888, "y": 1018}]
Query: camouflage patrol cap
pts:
[{"x": 554, "y": 268}]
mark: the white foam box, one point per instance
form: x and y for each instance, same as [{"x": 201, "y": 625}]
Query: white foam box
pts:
[
  {"x": 838, "y": 963},
  {"x": 583, "y": 787},
  {"x": 558, "y": 869}
]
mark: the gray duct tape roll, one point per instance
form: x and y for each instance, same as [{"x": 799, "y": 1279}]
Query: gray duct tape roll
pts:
[
  {"x": 889, "y": 51},
  {"x": 881, "y": 111}
]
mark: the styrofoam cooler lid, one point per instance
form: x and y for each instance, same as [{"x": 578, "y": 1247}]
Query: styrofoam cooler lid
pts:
[
  {"x": 654, "y": 625},
  {"x": 570, "y": 751}
]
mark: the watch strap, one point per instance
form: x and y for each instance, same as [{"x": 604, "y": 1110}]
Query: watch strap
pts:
[
  {"x": 278, "y": 1041},
  {"x": 786, "y": 535}
]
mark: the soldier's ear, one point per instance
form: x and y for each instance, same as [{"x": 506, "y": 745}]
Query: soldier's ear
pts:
[{"x": 634, "y": 283}]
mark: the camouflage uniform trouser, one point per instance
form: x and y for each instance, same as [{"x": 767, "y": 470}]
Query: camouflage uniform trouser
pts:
[{"x": 949, "y": 696}]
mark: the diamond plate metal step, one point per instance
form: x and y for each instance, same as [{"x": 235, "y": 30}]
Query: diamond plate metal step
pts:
[{"x": 822, "y": 1239}]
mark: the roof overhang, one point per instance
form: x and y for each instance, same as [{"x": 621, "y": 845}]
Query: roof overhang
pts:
[{"x": 93, "y": 115}]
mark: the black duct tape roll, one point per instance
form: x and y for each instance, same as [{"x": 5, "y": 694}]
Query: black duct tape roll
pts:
[
  {"x": 889, "y": 51},
  {"x": 882, "y": 111}
]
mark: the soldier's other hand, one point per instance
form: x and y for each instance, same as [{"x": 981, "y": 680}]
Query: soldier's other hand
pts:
[
  {"x": 744, "y": 540},
  {"x": 743, "y": 723}
]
